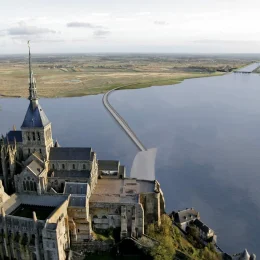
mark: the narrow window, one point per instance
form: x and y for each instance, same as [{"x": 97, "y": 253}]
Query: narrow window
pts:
[
  {"x": 28, "y": 136},
  {"x": 38, "y": 136},
  {"x": 24, "y": 186},
  {"x": 27, "y": 185},
  {"x": 84, "y": 166},
  {"x": 33, "y": 136},
  {"x": 31, "y": 185},
  {"x": 34, "y": 186},
  {"x": 78, "y": 230},
  {"x": 53, "y": 166},
  {"x": 63, "y": 166},
  {"x": 29, "y": 151},
  {"x": 73, "y": 166},
  {"x": 40, "y": 150}
]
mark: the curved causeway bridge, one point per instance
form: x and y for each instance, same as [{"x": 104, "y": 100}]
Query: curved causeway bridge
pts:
[{"x": 120, "y": 120}]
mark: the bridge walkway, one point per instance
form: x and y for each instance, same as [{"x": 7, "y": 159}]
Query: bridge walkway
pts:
[{"x": 120, "y": 120}]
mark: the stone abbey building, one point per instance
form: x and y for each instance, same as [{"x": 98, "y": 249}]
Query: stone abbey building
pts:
[{"x": 53, "y": 197}]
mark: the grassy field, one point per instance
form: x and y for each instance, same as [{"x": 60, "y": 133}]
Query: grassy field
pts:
[{"x": 79, "y": 75}]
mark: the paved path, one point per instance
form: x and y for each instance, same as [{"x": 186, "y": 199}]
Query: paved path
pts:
[{"x": 120, "y": 120}]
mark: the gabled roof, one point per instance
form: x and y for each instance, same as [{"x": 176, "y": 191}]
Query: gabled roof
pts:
[
  {"x": 77, "y": 201},
  {"x": 186, "y": 215},
  {"x": 70, "y": 154},
  {"x": 76, "y": 188},
  {"x": 35, "y": 117},
  {"x": 14, "y": 135},
  {"x": 201, "y": 226},
  {"x": 35, "y": 168}
]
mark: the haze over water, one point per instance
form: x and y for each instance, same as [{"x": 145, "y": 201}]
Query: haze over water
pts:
[{"x": 207, "y": 135}]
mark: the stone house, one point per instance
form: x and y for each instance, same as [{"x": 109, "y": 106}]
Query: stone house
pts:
[
  {"x": 205, "y": 232},
  {"x": 184, "y": 217}
]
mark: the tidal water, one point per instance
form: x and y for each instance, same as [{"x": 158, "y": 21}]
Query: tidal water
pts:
[{"x": 207, "y": 135}]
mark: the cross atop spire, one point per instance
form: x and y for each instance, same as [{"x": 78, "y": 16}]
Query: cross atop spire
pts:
[{"x": 32, "y": 83}]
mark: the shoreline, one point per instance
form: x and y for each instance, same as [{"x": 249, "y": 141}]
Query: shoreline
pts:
[{"x": 137, "y": 85}]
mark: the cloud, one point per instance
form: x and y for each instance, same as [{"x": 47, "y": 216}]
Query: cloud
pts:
[
  {"x": 160, "y": 23},
  {"x": 100, "y": 33},
  {"x": 143, "y": 13},
  {"x": 209, "y": 41},
  {"x": 23, "y": 29},
  {"x": 84, "y": 25}
]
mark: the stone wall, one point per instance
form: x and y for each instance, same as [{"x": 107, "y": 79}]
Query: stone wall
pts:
[
  {"x": 151, "y": 206},
  {"x": 92, "y": 246}
]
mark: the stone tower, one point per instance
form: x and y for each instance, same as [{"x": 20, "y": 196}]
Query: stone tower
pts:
[{"x": 36, "y": 127}]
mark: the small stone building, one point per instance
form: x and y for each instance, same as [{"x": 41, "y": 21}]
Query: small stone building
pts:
[{"x": 185, "y": 217}]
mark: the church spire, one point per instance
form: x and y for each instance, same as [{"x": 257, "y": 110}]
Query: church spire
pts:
[{"x": 32, "y": 84}]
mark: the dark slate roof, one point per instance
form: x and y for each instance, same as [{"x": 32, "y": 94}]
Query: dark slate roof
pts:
[
  {"x": 77, "y": 201},
  {"x": 70, "y": 154},
  {"x": 69, "y": 174},
  {"x": 106, "y": 165},
  {"x": 35, "y": 117},
  {"x": 75, "y": 188},
  {"x": 186, "y": 215},
  {"x": 201, "y": 226},
  {"x": 17, "y": 135}
]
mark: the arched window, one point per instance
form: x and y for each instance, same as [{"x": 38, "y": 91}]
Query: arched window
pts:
[
  {"x": 84, "y": 166},
  {"x": 73, "y": 166},
  {"x": 27, "y": 185},
  {"x": 104, "y": 217},
  {"x": 33, "y": 134},
  {"x": 34, "y": 186},
  {"x": 24, "y": 185},
  {"x": 32, "y": 242},
  {"x": 31, "y": 185}
]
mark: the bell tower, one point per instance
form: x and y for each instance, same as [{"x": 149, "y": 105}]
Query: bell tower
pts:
[{"x": 36, "y": 127}]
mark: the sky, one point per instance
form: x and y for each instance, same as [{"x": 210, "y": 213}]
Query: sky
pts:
[{"x": 136, "y": 26}]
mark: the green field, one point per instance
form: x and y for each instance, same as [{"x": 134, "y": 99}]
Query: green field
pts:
[{"x": 79, "y": 75}]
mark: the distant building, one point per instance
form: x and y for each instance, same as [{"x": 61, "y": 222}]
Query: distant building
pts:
[
  {"x": 190, "y": 217},
  {"x": 241, "y": 256}
]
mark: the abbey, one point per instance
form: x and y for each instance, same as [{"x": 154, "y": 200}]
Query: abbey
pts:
[{"x": 52, "y": 197}]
